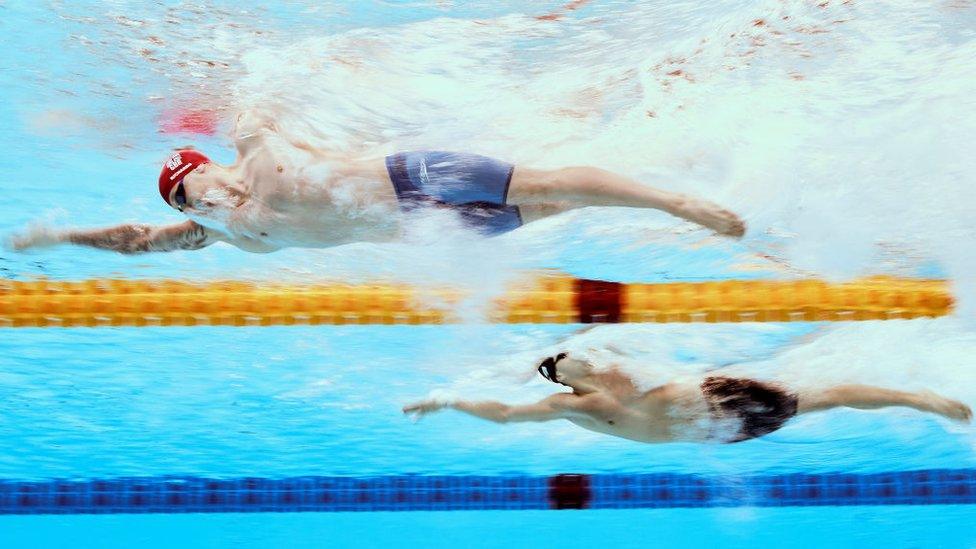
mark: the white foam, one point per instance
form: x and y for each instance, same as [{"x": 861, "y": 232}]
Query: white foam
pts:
[
  {"x": 841, "y": 129},
  {"x": 825, "y": 123}
]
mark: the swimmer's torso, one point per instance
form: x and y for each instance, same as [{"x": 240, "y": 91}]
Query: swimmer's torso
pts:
[
  {"x": 665, "y": 413},
  {"x": 295, "y": 196}
]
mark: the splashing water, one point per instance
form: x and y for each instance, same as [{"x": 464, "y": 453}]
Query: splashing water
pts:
[{"x": 840, "y": 130}]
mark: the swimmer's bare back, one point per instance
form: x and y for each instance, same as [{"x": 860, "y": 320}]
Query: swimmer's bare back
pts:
[{"x": 281, "y": 192}]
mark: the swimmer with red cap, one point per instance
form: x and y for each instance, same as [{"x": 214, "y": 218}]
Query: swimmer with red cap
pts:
[{"x": 281, "y": 192}]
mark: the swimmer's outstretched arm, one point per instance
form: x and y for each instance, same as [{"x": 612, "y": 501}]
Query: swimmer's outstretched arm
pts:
[
  {"x": 558, "y": 406},
  {"x": 126, "y": 239}
]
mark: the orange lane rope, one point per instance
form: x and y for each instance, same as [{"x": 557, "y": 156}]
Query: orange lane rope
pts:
[{"x": 545, "y": 299}]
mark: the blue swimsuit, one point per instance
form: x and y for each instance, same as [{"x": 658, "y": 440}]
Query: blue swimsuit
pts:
[{"x": 474, "y": 186}]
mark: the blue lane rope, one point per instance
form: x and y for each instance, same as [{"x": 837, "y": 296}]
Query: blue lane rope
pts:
[{"x": 447, "y": 493}]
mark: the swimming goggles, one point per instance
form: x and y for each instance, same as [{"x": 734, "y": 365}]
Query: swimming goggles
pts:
[
  {"x": 180, "y": 196},
  {"x": 548, "y": 367}
]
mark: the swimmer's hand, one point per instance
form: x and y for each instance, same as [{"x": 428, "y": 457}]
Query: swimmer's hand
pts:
[
  {"x": 36, "y": 236},
  {"x": 418, "y": 410}
]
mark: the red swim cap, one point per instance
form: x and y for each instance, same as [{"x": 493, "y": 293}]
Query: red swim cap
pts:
[{"x": 176, "y": 168}]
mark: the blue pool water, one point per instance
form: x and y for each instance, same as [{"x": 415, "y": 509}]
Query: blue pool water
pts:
[{"x": 824, "y": 124}]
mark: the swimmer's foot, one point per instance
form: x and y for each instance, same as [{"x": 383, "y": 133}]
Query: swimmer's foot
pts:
[{"x": 952, "y": 409}]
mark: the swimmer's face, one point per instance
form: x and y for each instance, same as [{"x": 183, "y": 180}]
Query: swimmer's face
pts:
[
  {"x": 564, "y": 369},
  {"x": 199, "y": 190}
]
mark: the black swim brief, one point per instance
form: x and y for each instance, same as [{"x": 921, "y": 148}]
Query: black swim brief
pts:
[
  {"x": 760, "y": 407},
  {"x": 474, "y": 186}
]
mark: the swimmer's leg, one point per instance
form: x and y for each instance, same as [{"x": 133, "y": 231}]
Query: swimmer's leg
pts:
[
  {"x": 533, "y": 211},
  {"x": 589, "y": 186},
  {"x": 866, "y": 397}
]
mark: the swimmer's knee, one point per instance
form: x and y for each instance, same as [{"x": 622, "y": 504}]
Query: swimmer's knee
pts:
[{"x": 573, "y": 176}]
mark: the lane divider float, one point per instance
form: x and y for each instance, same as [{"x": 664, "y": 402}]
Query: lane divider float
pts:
[{"x": 541, "y": 300}]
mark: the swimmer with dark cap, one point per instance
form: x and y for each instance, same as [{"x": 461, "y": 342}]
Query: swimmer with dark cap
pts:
[
  {"x": 281, "y": 193},
  {"x": 714, "y": 409}
]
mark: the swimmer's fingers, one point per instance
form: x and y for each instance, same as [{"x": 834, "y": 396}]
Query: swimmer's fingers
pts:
[
  {"x": 417, "y": 407},
  {"x": 411, "y": 408},
  {"x": 418, "y": 410},
  {"x": 9, "y": 243},
  {"x": 36, "y": 236},
  {"x": 412, "y": 412},
  {"x": 17, "y": 242}
]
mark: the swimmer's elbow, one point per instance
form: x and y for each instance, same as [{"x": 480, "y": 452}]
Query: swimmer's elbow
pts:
[
  {"x": 496, "y": 412},
  {"x": 504, "y": 415},
  {"x": 512, "y": 414},
  {"x": 135, "y": 247},
  {"x": 490, "y": 410},
  {"x": 141, "y": 241},
  {"x": 144, "y": 245},
  {"x": 185, "y": 236}
]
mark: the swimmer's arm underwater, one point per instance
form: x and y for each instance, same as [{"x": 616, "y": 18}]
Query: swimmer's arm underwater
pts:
[
  {"x": 126, "y": 239},
  {"x": 558, "y": 406}
]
